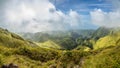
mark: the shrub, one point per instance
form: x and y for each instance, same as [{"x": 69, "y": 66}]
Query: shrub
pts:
[{"x": 38, "y": 53}]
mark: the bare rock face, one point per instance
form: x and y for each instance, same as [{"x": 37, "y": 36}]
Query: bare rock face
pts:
[{"x": 11, "y": 65}]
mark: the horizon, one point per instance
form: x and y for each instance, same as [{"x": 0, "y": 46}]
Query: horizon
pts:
[{"x": 58, "y": 15}]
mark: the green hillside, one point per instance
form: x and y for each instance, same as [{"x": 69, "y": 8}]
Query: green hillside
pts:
[
  {"x": 106, "y": 52},
  {"x": 88, "y": 53},
  {"x": 101, "y": 32},
  {"x": 65, "y": 39},
  {"x": 110, "y": 40},
  {"x": 49, "y": 44},
  {"x": 12, "y": 40},
  {"x": 26, "y": 54},
  {"x": 103, "y": 58}
]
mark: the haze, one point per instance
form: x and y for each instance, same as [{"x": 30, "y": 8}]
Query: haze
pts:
[{"x": 49, "y": 15}]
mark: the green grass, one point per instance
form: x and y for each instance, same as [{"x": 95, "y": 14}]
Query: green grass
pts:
[
  {"x": 106, "y": 58},
  {"x": 14, "y": 49},
  {"x": 49, "y": 44},
  {"x": 110, "y": 40},
  {"x": 11, "y": 40}
]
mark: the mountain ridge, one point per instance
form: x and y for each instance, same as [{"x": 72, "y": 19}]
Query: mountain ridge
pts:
[{"x": 28, "y": 54}]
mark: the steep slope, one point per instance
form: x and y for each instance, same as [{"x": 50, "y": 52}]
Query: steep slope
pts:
[
  {"x": 53, "y": 35},
  {"x": 103, "y": 58},
  {"x": 9, "y": 39},
  {"x": 65, "y": 39},
  {"x": 109, "y": 40},
  {"x": 101, "y": 32},
  {"x": 49, "y": 44},
  {"x": 14, "y": 49},
  {"x": 26, "y": 54}
]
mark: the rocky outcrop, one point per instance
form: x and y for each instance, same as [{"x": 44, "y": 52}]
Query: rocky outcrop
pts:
[{"x": 11, "y": 65}]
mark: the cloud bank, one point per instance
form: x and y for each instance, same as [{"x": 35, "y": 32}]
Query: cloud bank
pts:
[
  {"x": 42, "y": 15},
  {"x": 36, "y": 16},
  {"x": 108, "y": 19}
]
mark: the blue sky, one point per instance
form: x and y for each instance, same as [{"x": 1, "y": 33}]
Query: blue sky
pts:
[
  {"x": 47, "y": 15},
  {"x": 82, "y": 6}
]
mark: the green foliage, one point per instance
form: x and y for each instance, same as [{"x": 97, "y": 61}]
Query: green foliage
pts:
[
  {"x": 65, "y": 39},
  {"x": 11, "y": 40},
  {"x": 101, "y": 32},
  {"x": 107, "y": 58},
  {"x": 27, "y": 54},
  {"x": 1, "y": 59},
  {"x": 85, "y": 42},
  {"x": 71, "y": 58},
  {"x": 68, "y": 43},
  {"x": 82, "y": 48},
  {"x": 22, "y": 61},
  {"x": 110, "y": 40},
  {"x": 38, "y": 53},
  {"x": 49, "y": 44}
]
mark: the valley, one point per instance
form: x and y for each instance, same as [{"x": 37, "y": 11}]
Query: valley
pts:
[{"x": 61, "y": 49}]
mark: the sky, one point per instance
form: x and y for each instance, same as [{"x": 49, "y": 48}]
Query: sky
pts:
[{"x": 49, "y": 15}]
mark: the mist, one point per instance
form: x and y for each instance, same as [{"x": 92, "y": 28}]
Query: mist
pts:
[
  {"x": 36, "y": 16},
  {"x": 109, "y": 19},
  {"x": 42, "y": 15}
]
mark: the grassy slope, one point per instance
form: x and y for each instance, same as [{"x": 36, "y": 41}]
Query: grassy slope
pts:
[
  {"x": 37, "y": 58},
  {"x": 104, "y": 58},
  {"x": 49, "y": 44},
  {"x": 17, "y": 50},
  {"x": 14, "y": 49},
  {"x": 110, "y": 40},
  {"x": 106, "y": 53},
  {"x": 11, "y": 40}
]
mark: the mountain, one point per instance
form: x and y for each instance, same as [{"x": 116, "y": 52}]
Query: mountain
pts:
[
  {"x": 101, "y": 32},
  {"x": 65, "y": 39},
  {"x": 49, "y": 54},
  {"x": 112, "y": 39},
  {"x": 72, "y": 38},
  {"x": 103, "y": 58},
  {"x": 43, "y": 36},
  {"x": 49, "y": 44},
  {"x": 24, "y": 53},
  {"x": 9, "y": 39}
]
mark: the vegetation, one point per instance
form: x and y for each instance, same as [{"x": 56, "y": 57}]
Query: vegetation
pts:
[
  {"x": 64, "y": 39},
  {"x": 110, "y": 40},
  {"x": 49, "y": 44},
  {"x": 106, "y": 58},
  {"x": 62, "y": 50}
]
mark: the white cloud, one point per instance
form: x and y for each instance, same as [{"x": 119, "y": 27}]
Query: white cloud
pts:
[
  {"x": 116, "y": 3},
  {"x": 35, "y": 16},
  {"x": 108, "y": 19}
]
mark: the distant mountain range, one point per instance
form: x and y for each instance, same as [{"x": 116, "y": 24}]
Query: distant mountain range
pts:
[
  {"x": 74, "y": 36},
  {"x": 62, "y": 49}
]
